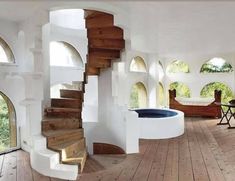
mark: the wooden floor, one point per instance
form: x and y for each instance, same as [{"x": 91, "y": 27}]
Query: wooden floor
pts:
[{"x": 204, "y": 152}]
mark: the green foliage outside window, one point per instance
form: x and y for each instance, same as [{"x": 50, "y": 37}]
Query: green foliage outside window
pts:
[
  {"x": 178, "y": 67},
  {"x": 182, "y": 90},
  {"x": 134, "y": 103},
  {"x": 4, "y": 125},
  {"x": 216, "y": 65},
  {"x": 138, "y": 97},
  {"x": 208, "y": 91}
]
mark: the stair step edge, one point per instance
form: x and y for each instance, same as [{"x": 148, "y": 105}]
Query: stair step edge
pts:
[
  {"x": 67, "y": 144},
  {"x": 60, "y": 132}
]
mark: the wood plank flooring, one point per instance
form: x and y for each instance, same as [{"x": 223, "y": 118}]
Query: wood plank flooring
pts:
[{"x": 205, "y": 152}]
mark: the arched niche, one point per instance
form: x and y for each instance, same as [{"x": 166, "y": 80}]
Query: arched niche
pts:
[
  {"x": 208, "y": 91},
  {"x": 178, "y": 66},
  {"x": 138, "y": 65},
  {"x": 64, "y": 54},
  {"x": 8, "y": 128},
  {"x": 138, "y": 96},
  {"x": 216, "y": 65},
  {"x": 182, "y": 90},
  {"x": 6, "y": 54}
]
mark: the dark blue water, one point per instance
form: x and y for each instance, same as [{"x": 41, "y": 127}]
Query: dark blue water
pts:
[{"x": 155, "y": 113}]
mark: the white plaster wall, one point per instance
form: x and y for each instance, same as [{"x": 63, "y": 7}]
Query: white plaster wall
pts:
[
  {"x": 114, "y": 125},
  {"x": 9, "y": 33},
  {"x": 90, "y": 106},
  {"x": 132, "y": 78},
  {"x": 11, "y": 81},
  {"x": 61, "y": 75}
]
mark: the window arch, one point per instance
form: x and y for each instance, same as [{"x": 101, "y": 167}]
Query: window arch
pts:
[
  {"x": 8, "y": 136},
  {"x": 178, "y": 66},
  {"x": 64, "y": 54},
  {"x": 6, "y": 54},
  {"x": 138, "y": 96},
  {"x": 216, "y": 65},
  {"x": 138, "y": 65},
  {"x": 160, "y": 93},
  {"x": 182, "y": 90},
  {"x": 208, "y": 91}
]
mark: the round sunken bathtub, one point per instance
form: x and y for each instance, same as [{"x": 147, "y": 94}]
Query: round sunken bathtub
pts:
[{"x": 160, "y": 123}]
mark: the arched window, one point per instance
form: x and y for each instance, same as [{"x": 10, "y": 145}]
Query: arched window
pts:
[
  {"x": 216, "y": 65},
  {"x": 64, "y": 54},
  {"x": 138, "y": 65},
  {"x": 182, "y": 89},
  {"x": 6, "y": 55},
  {"x": 138, "y": 97},
  {"x": 178, "y": 67},
  {"x": 8, "y": 136},
  {"x": 160, "y": 97},
  {"x": 160, "y": 70},
  {"x": 208, "y": 91}
]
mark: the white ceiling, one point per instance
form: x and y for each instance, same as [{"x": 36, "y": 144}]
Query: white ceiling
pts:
[
  {"x": 171, "y": 29},
  {"x": 184, "y": 29}
]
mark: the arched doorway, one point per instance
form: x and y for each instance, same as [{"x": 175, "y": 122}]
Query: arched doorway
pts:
[{"x": 8, "y": 127}]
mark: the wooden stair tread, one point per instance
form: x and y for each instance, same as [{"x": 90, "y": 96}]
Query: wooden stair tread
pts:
[
  {"x": 58, "y": 119},
  {"x": 71, "y": 90},
  {"x": 109, "y": 44},
  {"x": 76, "y": 158},
  {"x": 62, "y": 109},
  {"x": 104, "y": 53},
  {"x": 64, "y": 145},
  {"x": 71, "y": 93},
  {"x": 101, "y": 20},
  {"x": 60, "y": 132},
  {"x": 91, "y": 14},
  {"x": 67, "y": 103},
  {"x": 112, "y": 32},
  {"x": 57, "y": 123},
  {"x": 65, "y": 98}
]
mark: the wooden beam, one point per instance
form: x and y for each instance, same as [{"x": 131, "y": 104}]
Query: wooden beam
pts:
[
  {"x": 105, "y": 33},
  {"x": 110, "y": 44}
]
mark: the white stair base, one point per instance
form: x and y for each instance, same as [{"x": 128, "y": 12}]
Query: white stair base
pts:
[{"x": 47, "y": 162}]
